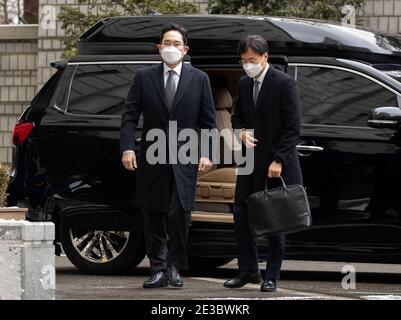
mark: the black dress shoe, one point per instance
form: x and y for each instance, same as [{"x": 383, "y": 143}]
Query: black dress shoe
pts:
[
  {"x": 268, "y": 286},
  {"x": 174, "y": 277},
  {"x": 242, "y": 279},
  {"x": 158, "y": 280}
]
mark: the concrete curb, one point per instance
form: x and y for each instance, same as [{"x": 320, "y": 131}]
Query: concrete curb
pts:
[{"x": 27, "y": 260}]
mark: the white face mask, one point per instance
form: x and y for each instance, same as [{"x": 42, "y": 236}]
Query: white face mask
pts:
[
  {"x": 252, "y": 69},
  {"x": 171, "y": 55}
]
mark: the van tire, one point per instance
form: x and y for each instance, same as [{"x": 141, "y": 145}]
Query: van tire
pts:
[{"x": 130, "y": 255}]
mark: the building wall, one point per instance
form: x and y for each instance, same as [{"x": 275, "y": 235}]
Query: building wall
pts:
[
  {"x": 382, "y": 15},
  {"x": 50, "y": 37},
  {"x": 18, "y": 78}
]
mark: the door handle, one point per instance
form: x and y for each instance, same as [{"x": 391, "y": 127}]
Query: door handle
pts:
[
  {"x": 305, "y": 149},
  {"x": 137, "y": 144},
  {"x": 309, "y": 148}
]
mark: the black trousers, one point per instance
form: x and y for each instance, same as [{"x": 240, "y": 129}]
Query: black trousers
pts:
[
  {"x": 166, "y": 235},
  {"x": 247, "y": 249}
]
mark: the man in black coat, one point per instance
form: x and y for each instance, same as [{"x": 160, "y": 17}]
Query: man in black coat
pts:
[
  {"x": 268, "y": 112},
  {"x": 172, "y": 96}
]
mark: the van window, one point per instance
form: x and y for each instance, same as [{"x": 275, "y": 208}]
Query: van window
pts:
[
  {"x": 291, "y": 70},
  {"x": 101, "y": 89},
  {"x": 337, "y": 97},
  {"x": 60, "y": 96}
]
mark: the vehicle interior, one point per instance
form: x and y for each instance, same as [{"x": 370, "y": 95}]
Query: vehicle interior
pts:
[{"x": 215, "y": 189}]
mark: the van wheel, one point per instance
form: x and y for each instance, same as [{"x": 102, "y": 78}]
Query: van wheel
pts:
[
  {"x": 203, "y": 263},
  {"x": 102, "y": 251}
]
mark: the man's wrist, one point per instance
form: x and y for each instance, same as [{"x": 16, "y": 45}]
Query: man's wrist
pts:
[
  {"x": 243, "y": 130},
  {"x": 128, "y": 151}
]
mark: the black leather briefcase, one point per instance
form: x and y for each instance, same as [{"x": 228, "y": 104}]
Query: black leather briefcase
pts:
[{"x": 280, "y": 210}]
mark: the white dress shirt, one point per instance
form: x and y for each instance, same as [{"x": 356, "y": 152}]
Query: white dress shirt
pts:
[
  {"x": 176, "y": 78},
  {"x": 176, "y": 75}
]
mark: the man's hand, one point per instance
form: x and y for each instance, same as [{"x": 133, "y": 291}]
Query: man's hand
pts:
[
  {"x": 204, "y": 164},
  {"x": 275, "y": 170},
  {"x": 129, "y": 160},
  {"x": 248, "y": 139}
]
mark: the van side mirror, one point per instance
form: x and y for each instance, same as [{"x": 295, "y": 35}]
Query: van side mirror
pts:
[{"x": 385, "y": 117}]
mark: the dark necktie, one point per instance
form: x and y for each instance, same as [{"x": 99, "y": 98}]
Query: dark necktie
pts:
[
  {"x": 255, "y": 91},
  {"x": 170, "y": 89}
]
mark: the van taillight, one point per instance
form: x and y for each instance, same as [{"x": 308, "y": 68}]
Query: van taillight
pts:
[{"x": 21, "y": 131}]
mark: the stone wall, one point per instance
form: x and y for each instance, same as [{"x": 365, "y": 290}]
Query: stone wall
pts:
[
  {"x": 18, "y": 78},
  {"x": 27, "y": 260},
  {"x": 382, "y": 15},
  {"x": 50, "y": 36}
]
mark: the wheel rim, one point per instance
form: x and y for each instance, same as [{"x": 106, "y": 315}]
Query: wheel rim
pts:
[{"x": 99, "y": 246}]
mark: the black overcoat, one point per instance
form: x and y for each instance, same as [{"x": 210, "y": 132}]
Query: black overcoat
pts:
[
  {"x": 276, "y": 120},
  {"x": 192, "y": 108}
]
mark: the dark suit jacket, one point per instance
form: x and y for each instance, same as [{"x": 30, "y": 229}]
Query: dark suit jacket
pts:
[
  {"x": 276, "y": 119},
  {"x": 193, "y": 108}
]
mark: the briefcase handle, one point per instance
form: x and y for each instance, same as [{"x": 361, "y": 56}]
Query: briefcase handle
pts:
[{"x": 282, "y": 183}]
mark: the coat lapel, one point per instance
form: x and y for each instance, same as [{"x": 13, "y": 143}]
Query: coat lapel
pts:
[
  {"x": 158, "y": 80},
  {"x": 266, "y": 86},
  {"x": 183, "y": 84}
]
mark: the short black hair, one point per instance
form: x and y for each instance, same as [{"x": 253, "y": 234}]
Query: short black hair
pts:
[
  {"x": 175, "y": 27},
  {"x": 254, "y": 42}
]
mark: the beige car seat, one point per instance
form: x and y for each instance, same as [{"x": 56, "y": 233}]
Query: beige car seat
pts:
[{"x": 218, "y": 185}]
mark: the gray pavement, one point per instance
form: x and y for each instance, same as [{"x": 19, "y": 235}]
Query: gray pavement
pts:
[{"x": 301, "y": 280}]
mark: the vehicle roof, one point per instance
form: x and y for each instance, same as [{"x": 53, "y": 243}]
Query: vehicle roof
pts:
[{"x": 220, "y": 34}]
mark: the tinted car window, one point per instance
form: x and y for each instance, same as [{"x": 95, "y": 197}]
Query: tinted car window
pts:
[
  {"x": 101, "y": 89},
  {"x": 336, "y": 97},
  {"x": 60, "y": 96},
  {"x": 291, "y": 71}
]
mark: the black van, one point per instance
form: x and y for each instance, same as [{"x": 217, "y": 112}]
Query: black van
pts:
[{"x": 67, "y": 167}]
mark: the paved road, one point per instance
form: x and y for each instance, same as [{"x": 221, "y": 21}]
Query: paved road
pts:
[{"x": 300, "y": 280}]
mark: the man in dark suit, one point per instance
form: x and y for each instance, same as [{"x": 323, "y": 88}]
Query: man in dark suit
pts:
[
  {"x": 171, "y": 96},
  {"x": 268, "y": 103}
]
